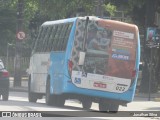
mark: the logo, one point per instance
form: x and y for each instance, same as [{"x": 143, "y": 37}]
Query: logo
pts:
[
  {"x": 84, "y": 74},
  {"x": 6, "y": 114},
  {"x": 77, "y": 80},
  {"x": 121, "y": 51},
  {"x": 120, "y": 57},
  {"x": 99, "y": 85},
  {"x": 107, "y": 78}
]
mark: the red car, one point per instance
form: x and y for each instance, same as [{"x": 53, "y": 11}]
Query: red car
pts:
[{"x": 4, "y": 82}]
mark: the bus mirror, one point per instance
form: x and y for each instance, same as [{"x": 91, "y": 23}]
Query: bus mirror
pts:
[
  {"x": 140, "y": 66},
  {"x": 81, "y": 58}
]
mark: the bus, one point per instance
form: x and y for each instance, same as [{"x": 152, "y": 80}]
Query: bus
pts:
[{"x": 88, "y": 58}]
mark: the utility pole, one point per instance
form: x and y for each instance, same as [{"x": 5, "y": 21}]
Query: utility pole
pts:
[
  {"x": 99, "y": 8},
  {"x": 19, "y": 34}
]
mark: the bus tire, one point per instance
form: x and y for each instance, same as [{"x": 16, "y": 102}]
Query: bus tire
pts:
[
  {"x": 113, "y": 108},
  {"x": 104, "y": 106},
  {"x": 49, "y": 97},
  {"x": 32, "y": 97},
  {"x": 86, "y": 104},
  {"x": 58, "y": 100}
]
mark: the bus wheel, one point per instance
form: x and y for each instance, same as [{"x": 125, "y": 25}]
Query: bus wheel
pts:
[
  {"x": 86, "y": 104},
  {"x": 58, "y": 100},
  {"x": 48, "y": 97},
  {"x": 104, "y": 106},
  {"x": 32, "y": 97},
  {"x": 113, "y": 108}
]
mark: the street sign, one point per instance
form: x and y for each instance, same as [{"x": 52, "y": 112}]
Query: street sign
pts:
[
  {"x": 20, "y": 35},
  {"x": 153, "y": 37}
]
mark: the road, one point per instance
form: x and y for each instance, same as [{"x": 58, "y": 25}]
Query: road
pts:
[{"x": 18, "y": 101}]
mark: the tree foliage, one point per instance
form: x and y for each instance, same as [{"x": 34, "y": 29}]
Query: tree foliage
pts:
[
  {"x": 110, "y": 8},
  {"x": 35, "y": 12},
  {"x": 7, "y": 24}
]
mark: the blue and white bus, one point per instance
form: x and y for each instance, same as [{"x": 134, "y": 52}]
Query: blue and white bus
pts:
[{"x": 85, "y": 58}]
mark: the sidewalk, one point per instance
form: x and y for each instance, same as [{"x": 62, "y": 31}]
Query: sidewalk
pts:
[
  {"x": 138, "y": 96},
  {"x": 153, "y": 96},
  {"x": 22, "y": 88}
]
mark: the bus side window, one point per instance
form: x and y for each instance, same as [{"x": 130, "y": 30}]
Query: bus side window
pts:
[
  {"x": 69, "y": 26},
  {"x": 54, "y": 32},
  {"x": 39, "y": 43},
  {"x": 49, "y": 48},
  {"x": 63, "y": 32},
  {"x": 56, "y": 38},
  {"x": 45, "y": 45},
  {"x": 59, "y": 38},
  {"x": 42, "y": 39},
  {"x": 37, "y": 39},
  {"x": 48, "y": 40}
]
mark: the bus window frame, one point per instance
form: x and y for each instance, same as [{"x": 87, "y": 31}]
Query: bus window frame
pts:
[{"x": 53, "y": 38}]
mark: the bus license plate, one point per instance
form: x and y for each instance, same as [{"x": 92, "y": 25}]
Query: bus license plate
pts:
[{"x": 99, "y": 85}]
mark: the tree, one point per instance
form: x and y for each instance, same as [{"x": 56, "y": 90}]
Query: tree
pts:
[
  {"x": 38, "y": 11},
  {"x": 153, "y": 53},
  {"x": 53, "y": 10},
  {"x": 7, "y": 31},
  {"x": 8, "y": 21},
  {"x": 143, "y": 15}
]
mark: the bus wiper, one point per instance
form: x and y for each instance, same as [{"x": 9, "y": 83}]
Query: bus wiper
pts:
[{"x": 85, "y": 33}]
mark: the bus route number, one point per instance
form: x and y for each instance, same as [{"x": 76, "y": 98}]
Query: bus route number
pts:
[{"x": 120, "y": 88}]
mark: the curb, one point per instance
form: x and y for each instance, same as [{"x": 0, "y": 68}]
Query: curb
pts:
[
  {"x": 157, "y": 99},
  {"x": 153, "y": 97},
  {"x": 22, "y": 88},
  {"x": 18, "y": 89}
]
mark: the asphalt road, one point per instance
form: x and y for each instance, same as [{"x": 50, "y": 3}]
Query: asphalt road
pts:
[{"x": 18, "y": 101}]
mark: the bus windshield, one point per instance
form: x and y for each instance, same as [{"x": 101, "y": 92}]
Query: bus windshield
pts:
[
  {"x": 97, "y": 44},
  {"x": 98, "y": 40},
  {"x": 108, "y": 50}
]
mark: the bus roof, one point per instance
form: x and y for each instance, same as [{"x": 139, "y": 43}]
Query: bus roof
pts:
[
  {"x": 67, "y": 20},
  {"x": 114, "y": 22},
  {"x": 59, "y": 21}
]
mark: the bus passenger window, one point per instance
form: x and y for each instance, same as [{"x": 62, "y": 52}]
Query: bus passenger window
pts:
[
  {"x": 40, "y": 40},
  {"x": 50, "y": 40},
  {"x": 48, "y": 33},
  {"x": 54, "y": 37},
  {"x": 67, "y": 35},
  {"x": 43, "y": 39},
  {"x": 63, "y": 36},
  {"x": 59, "y": 38},
  {"x": 37, "y": 39}
]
